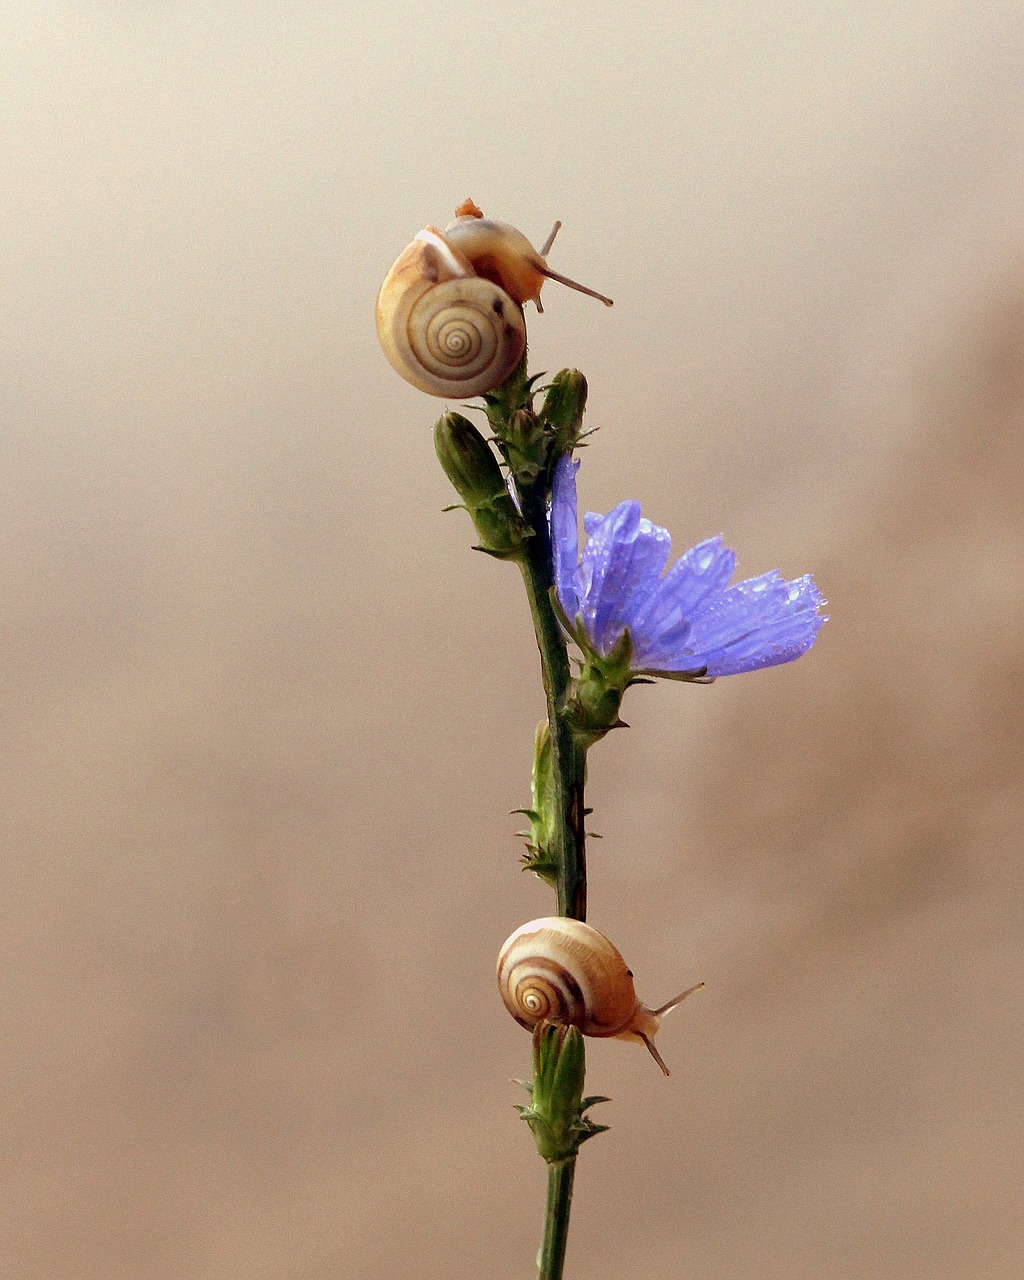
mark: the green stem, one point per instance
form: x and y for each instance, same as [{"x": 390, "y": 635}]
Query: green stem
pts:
[
  {"x": 569, "y": 757},
  {"x": 556, "y": 1219},
  {"x": 568, "y": 771},
  {"x": 527, "y": 449}
]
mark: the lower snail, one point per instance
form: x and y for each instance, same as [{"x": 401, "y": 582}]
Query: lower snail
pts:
[
  {"x": 563, "y": 970},
  {"x": 450, "y": 310}
]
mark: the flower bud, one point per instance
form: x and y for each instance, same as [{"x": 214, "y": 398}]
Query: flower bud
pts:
[
  {"x": 563, "y": 408},
  {"x": 541, "y": 857},
  {"x": 528, "y": 446},
  {"x": 467, "y": 459},
  {"x": 471, "y": 466},
  {"x": 556, "y": 1112}
]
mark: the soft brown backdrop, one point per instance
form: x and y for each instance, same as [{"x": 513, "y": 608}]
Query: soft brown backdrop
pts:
[{"x": 264, "y": 713}]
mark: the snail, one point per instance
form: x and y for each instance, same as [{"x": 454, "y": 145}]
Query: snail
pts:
[
  {"x": 563, "y": 970},
  {"x": 450, "y": 310}
]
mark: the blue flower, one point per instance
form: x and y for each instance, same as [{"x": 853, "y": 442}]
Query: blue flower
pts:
[{"x": 687, "y": 623}]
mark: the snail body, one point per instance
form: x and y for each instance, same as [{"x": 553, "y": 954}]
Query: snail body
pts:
[
  {"x": 561, "y": 970},
  {"x": 450, "y": 310}
]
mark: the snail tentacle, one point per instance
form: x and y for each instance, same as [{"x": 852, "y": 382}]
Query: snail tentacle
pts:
[{"x": 563, "y": 970}]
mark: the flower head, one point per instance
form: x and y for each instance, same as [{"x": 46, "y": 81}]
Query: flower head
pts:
[{"x": 686, "y": 622}]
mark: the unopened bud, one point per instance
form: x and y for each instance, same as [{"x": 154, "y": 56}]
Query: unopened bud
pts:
[
  {"x": 473, "y": 469},
  {"x": 528, "y": 445},
  {"x": 467, "y": 459},
  {"x": 563, "y": 408},
  {"x": 556, "y": 1112}
]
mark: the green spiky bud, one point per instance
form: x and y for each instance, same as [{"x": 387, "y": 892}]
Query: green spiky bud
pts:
[
  {"x": 563, "y": 409},
  {"x": 470, "y": 464},
  {"x": 467, "y": 459},
  {"x": 555, "y": 1114},
  {"x": 541, "y": 857},
  {"x": 527, "y": 446}
]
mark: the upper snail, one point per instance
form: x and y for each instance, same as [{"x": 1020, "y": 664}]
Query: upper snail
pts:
[{"x": 450, "y": 310}]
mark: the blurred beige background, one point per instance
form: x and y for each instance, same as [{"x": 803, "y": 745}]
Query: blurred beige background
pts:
[{"x": 264, "y": 712}]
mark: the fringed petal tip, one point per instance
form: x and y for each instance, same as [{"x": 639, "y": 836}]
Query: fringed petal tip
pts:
[{"x": 681, "y": 621}]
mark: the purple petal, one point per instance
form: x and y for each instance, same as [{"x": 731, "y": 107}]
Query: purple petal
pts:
[
  {"x": 662, "y": 624},
  {"x": 760, "y": 622},
  {"x": 565, "y": 534},
  {"x": 688, "y": 619},
  {"x": 600, "y": 567},
  {"x": 622, "y": 565}
]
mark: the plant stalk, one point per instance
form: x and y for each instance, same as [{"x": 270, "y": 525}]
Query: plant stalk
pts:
[
  {"x": 569, "y": 757},
  {"x": 556, "y": 1219},
  {"x": 569, "y": 760}
]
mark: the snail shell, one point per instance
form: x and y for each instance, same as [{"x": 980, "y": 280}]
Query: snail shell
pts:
[
  {"x": 445, "y": 329},
  {"x": 450, "y": 310},
  {"x": 563, "y": 970}
]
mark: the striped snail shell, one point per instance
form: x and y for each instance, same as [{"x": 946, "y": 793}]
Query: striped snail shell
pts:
[
  {"x": 563, "y": 970},
  {"x": 450, "y": 310}
]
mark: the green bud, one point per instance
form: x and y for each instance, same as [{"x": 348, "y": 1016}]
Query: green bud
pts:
[
  {"x": 563, "y": 408},
  {"x": 555, "y": 1114},
  {"x": 540, "y": 856},
  {"x": 470, "y": 464},
  {"x": 499, "y": 527},
  {"x": 467, "y": 459},
  {"x": 516, "y": 392},
  {"x": 527, "y": 445}
]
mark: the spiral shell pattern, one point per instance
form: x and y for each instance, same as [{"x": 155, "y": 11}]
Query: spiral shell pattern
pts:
[
  {"x": 565, "y": 971},
  {"x": 446, "y": 329},
  {"x": 536, "y": 988},
  {"x": 466, "y": 335}
]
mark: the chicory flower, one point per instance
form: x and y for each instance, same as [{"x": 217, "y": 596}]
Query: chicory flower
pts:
[{"x": 625, "y": 611}]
